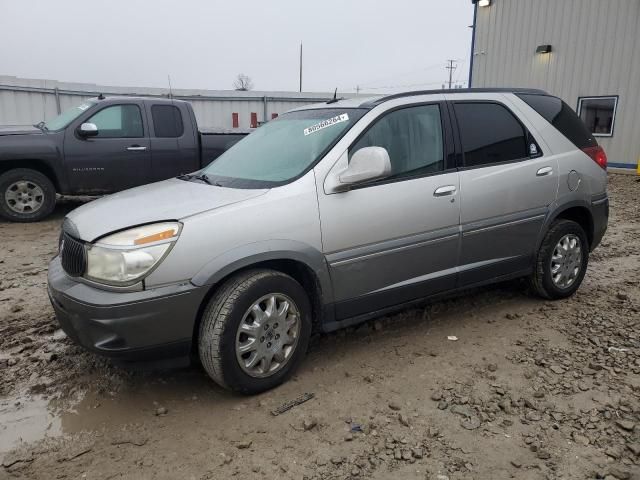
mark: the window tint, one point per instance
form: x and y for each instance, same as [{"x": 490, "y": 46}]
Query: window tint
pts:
[
  {"x": 490, "y": 134},
  {"x": 118, "y": 121},
  {"x": 411, "y": 136},
  {"x": 598, "y": 114},
  {"x": 167, "y": 121},
  {"x": 561, "y": 116}
]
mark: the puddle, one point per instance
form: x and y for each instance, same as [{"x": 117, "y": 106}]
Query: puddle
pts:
[{"x": 26, "y": 419}]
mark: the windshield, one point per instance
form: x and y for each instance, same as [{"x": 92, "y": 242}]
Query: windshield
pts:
[
  {"x": 282, "y": 149},
  {"x": 66, "y": 117}
]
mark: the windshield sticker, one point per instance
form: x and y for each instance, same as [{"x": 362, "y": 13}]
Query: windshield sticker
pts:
[
  {"x": 84, "y": 106},
  {"x": 326, "y": 123}
]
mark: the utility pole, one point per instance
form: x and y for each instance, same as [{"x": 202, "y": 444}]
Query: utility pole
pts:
[
  {"x": 451, "y": 67},
  {"x": 301, "y": 68}
]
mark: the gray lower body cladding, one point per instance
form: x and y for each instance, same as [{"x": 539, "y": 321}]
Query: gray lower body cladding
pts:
[
  {"x": 600, "y": 213},
  {"x": 130, "y": 326}
]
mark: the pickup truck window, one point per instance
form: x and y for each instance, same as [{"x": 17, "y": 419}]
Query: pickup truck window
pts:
[
  {"x": 167, "y": 121},
  {"x": 66, "y": 117},
  {"x": 282, "y": 149},
  {"x": 118, "y": 121}
]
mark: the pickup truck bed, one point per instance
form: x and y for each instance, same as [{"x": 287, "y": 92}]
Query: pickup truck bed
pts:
[{"x": 214, "y": 141}]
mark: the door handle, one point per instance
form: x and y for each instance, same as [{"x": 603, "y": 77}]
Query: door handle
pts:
[
  {"x": 136, "y": 148},
  {"x": 444, "y": 190},
  {"x": 544, "y": 171}
]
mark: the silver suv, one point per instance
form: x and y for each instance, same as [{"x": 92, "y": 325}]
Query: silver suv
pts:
[{"x": 330, "y": 215}]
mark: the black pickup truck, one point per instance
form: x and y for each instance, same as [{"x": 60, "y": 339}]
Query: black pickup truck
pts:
[{"x": 102, "y": 146}]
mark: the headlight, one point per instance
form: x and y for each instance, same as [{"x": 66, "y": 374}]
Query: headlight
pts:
[{"x": 126, "y": 257}]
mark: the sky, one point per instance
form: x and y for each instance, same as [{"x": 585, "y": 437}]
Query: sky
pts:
[{"x": 376, "y": 46}]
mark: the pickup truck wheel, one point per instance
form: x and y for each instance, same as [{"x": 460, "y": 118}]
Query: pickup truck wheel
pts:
[
  {"x": 26, "y": 195},
  {"x": 562, "y": 261},
  {"x": 255, "y": 331}
]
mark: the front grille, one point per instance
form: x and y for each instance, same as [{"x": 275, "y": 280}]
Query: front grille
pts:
[{"x": 73, "y": 256}]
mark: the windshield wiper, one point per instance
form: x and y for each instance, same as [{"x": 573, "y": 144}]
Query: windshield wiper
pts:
[{"x": 203, "y": 178}]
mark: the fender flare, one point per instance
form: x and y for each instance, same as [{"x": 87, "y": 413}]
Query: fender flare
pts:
[
  {"x": 556, "y": 210},
  {"x": 253, "y": 253}
]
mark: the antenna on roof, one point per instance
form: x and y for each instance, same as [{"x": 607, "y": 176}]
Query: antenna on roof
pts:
[
  {"x": 100, "y": 96},
  {"x": 335, "y": 97},
  {"x": 170, "y": 90}
]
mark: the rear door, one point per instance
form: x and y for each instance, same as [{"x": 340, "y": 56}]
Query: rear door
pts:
[
  {"x": 174, "y": 146},
  {"x": 507, "y": 182},
  {"x": 117, "y": 158}
]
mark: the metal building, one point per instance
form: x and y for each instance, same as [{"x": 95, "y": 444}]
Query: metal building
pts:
[
  {"x": 28, "y": 101},
  {"x": 585, "y": 51}
]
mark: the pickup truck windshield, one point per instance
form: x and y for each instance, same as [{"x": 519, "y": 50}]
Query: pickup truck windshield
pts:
[
  {"x": 282, "y": 149},
  {"x": 66, "y": 117}
]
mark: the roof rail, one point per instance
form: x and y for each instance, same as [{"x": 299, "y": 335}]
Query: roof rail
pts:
[{"x": 380, "y": 100}]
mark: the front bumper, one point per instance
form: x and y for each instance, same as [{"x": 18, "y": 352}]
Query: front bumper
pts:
[{"x": 155, "y": 324}]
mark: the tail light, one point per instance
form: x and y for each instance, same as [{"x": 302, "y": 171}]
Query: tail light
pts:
[{"x": 597, "y": 155}]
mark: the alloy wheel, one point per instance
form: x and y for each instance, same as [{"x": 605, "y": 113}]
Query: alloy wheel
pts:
[{"x": 268, "y": 335}]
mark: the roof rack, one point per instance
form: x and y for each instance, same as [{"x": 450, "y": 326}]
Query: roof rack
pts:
[{"x": 380, "y": 100}]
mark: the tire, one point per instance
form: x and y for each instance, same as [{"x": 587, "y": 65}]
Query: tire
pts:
[
  {"x": 220, "y": 337},
  {"x": 542, "y": 280},
  {"x": 26, "y": 195}
]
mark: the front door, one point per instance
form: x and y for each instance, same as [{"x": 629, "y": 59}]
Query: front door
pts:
[
  {"x": 507, "y": 183},
  {"x": 397, "y": 239},
  {"x": 116, "y": 159}
]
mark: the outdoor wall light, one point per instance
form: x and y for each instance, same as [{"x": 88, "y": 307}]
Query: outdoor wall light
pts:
[
  {"x": 543, "y": 49},
  {"x": 484, "y": 3}
]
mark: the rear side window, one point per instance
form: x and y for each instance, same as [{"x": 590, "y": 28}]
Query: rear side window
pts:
[
  {"x": 490, "y": 134},
  {"x": 561, "y": 116},
  {"x": 167, "y": 121}
]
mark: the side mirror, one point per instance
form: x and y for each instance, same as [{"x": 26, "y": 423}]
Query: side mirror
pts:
[
  {"x": 88, "y": 130},
  {"x": 367, "y": 164}
]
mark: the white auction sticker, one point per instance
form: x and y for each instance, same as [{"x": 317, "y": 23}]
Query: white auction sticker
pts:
[{"x": 326, "y": 123}]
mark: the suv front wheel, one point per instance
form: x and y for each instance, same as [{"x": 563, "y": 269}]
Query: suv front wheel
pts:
[
  {"x": 562, "y": 261},
  {"x": 255, "y": 331}
]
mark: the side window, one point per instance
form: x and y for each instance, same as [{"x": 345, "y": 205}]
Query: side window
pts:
[
  {"x": 561, "y": 116},
  {"x": 490, "y": 134},
  {"x": 118, "y": 121},
  {"x": 413, "y": 138},
  {"x": 167, "y": 121}
]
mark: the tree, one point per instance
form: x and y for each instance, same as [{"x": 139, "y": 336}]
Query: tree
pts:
[{"x": 243, "y": 83}]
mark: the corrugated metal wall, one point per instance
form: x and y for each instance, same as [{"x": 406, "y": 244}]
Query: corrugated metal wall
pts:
[
  {"x": 28, "y": 101},
  {"x": 596, "y": 51}
]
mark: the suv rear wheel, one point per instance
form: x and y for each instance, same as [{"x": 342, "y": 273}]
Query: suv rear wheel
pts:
[
  {"x": 26, "y": 195},
  {"x": 255, "y": 331},
  {"x": 562, "y": 261}
]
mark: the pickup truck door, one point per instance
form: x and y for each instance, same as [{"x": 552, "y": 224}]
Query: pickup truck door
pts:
[
  {"x": 117, "y": 158},
  {"x": 174, "y": 140}
]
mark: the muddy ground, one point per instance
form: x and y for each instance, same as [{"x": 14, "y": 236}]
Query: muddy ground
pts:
[{"x": 529, "y": 390}]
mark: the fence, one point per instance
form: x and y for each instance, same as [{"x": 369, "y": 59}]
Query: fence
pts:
[{"x": 26, "y": 101}]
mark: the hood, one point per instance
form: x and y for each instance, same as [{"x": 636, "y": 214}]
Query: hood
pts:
[
  {"x": 20, "y": 130},
  {"x": 168, "y": 200}
]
